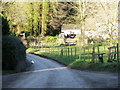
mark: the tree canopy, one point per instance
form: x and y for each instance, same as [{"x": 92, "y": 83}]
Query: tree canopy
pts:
[{"x": 46, "y": 18}]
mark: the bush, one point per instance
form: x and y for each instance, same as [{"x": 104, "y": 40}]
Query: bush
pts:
[
  {"x": 51, "y": 39},
  {"x": 5, "y": 26},
  {"x": 13, "y": 54}
]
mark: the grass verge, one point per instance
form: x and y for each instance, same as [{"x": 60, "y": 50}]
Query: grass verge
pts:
[
  {"x": 4, "y": 72},
  {"x": 80, "y": 64}
]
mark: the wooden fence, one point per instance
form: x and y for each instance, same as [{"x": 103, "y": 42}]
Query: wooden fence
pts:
[{"x": 92, "y": 53}]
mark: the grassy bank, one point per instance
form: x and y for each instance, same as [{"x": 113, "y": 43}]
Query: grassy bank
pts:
[
  {"x": 4, "y": 72},
  {"x": 80, "y": 63}
]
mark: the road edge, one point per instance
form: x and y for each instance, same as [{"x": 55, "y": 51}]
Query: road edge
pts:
[{"x": 67, "y": 65}]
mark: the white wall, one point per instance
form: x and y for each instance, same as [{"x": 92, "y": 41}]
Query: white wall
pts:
[{"x": 75, "y": 31}]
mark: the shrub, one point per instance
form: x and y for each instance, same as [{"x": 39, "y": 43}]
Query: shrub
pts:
[
  {"x": 13, "y": 54},
  {"x": 51, "y": 39},
  {"x": 5, "y": 26}
]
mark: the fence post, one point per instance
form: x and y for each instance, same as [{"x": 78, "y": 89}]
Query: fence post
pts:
[
  {"x": 68, "y": 51},
  {"x": 88, "y": 50},
  {"x": 109, "y": 54},
  {"x": 84, "y": 50},
  {"x": 58, "y": 50},
  {"x": 71, "y": 52},
  {"x": 79, "y": 56},
  {"x": 49, "y": 50},
  {"x": 118, "y": 52},
  {"x": 98, "y": 50},
  {"x": 53, "y": 50},
  {"x": 84, "y": 54},
  {"x": 65, "y": 51},
  {"x": 104, "y": 47},
  {"x": 75, "y": 52},
  {"x": 93, "y": 54},
  {"x": 61, "y": 52}
]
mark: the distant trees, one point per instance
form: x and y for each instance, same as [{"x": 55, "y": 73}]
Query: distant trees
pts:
[
  {"x": 110, "y": 25},
  {"x": 45, "y": 10},
  {"x": 16, "y": 15},
  {"x": 33, "y": 18},
  {"x": 59, "y": 14},
  {"x": 46, "y": 18},
  {"x": 85, "y": 10},
  {"x": 39, "y": 18}
]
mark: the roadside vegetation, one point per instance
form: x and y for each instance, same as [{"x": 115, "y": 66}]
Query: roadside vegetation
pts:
[
  {"x": 13, "y": 51},
  {"x": 39, "y": 25},
  {"x": 77, "y": 57}
]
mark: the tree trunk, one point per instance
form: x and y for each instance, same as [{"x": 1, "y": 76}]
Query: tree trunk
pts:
[{"x": 45, "y": 9}]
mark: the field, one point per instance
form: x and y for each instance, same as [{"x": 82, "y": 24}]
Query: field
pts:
[{"x": 79, "y": 57}]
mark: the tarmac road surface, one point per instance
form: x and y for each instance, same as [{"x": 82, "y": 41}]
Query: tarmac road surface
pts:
[{"x": 45, "y": 73}]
